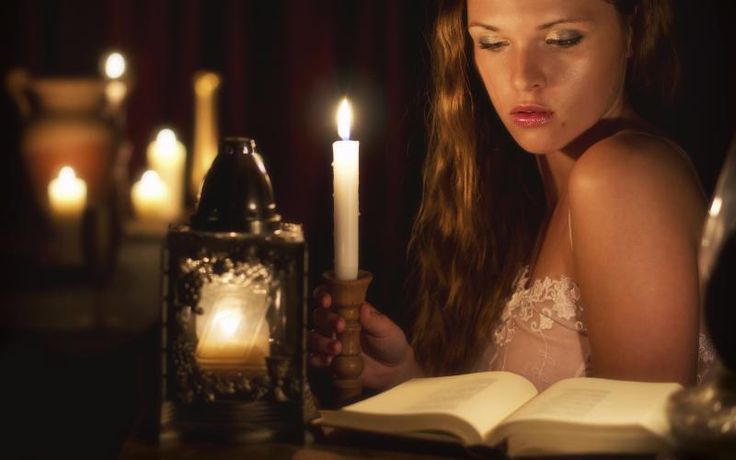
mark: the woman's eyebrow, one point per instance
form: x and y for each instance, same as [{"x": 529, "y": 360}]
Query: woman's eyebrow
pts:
[{"x": 544, "y": 26}]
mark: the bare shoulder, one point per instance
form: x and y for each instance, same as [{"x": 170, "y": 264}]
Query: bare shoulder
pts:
[
  {"x": 633, "y": 159},
  {"x": 637, "y": 170}
]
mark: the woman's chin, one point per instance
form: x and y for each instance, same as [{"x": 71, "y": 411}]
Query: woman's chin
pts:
[{"x": 539, "y": 141}]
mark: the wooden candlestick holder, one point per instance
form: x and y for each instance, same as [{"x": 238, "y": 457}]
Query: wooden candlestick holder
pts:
[{"x": 347, "y": 297}]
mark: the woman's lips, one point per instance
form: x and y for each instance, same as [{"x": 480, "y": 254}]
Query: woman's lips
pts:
[{"x": 531, "y": 116}]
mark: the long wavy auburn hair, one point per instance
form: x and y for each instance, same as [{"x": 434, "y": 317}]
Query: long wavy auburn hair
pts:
[{"x": 483, "y": 202}]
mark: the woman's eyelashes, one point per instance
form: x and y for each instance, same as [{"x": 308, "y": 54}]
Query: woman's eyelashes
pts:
[
  {"x": 564, "y": 39},
  {"x": 492, "y": 44}
]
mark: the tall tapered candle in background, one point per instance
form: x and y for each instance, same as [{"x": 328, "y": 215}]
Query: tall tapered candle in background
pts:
[
  {"x": 346, "y": 209},
  {"x": 166, "y": 155},
  {"x": 205, "y": 127}
]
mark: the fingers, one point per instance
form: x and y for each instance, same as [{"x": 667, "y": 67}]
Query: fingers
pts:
[
  {"x": 321, "y": 297},
  {"x": 325, "y": 320},
  {"x": 321, "y": 349}
]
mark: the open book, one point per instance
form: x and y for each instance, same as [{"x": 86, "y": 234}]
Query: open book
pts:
[{"x": 578, "y": 415}]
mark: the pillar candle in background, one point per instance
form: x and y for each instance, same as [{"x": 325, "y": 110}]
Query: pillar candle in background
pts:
[
  {"x": 166, "y": 155},
  {"x": 67, "y": 201},
  {"x": 345, "y": 197},
  {"x": 150, "y": 198},
  {"x": 67, "y": 194}
]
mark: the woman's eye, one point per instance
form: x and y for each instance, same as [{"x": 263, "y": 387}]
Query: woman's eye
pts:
[
  {"x": 491, "y": 45},
  {"x": 564, "y": 42}
]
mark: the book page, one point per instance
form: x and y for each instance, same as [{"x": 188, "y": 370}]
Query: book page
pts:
[
  {"x": 482, "y": 399},
  {"x": 601, "y": 402}
]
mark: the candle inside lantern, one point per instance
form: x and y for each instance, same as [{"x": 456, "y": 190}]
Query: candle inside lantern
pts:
[
  {"x": 67, "y": 194},
  {"x": 233, "y": 329},
  {"x": 150, "y": 197},
  {"x": 166, "y": 155},
  {"x": 345, "y": 197}
]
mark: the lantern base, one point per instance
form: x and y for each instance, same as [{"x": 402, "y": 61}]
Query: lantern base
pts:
[{"x": 231, "y": 422}]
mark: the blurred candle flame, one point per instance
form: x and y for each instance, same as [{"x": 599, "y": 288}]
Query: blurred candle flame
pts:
[{"x": 114, "y": 65}]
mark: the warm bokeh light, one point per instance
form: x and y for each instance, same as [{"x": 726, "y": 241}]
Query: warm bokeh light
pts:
[
  {"x": 114, "y": 65},
  {"x": 67, "y": 192},
  {"x": 166, "y": 141}
]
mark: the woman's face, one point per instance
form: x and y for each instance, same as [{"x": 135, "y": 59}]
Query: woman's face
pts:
[{"x": 552, "y": 68}]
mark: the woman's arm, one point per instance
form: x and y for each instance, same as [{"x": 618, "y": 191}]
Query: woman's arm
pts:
[{"x": 636, "y": 214}]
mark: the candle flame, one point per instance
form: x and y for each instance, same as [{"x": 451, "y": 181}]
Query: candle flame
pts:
[
  {"x": 151, "y": 178},
  {"x": 166, "y": 141},
  {"x": 227, "y": 322},
  {"x": 67, "y": 174},
  {"x": 344, "y": 119},
  {"x": 114, "y": 65},
  {"x": 715, "y": 207}
]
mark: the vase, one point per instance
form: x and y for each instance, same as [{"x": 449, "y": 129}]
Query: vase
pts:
[{"x": 66, "y": 122}]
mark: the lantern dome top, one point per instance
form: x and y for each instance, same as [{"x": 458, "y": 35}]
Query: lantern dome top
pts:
[{"x": 236, "y": 195}]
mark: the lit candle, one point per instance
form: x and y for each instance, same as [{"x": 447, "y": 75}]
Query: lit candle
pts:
[
  {"x": 67, "y": 194},
  {"x": 150, "y": 197},
  {"x": 166, "y": 156},
  {"x": 345, "y": 197},
  {"x": 233, "y": 330},
  {"x": 114, "y": 67}
]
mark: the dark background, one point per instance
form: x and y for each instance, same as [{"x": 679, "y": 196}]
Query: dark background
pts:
[{"x": 284, "y": 65}]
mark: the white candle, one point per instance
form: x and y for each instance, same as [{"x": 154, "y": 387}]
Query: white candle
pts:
[
  {"x": 166, "y": 155},
  {"x": 345, "y": 197},
  {"x": 67, "y": 194},
  {"x": 150, "y": 197}
]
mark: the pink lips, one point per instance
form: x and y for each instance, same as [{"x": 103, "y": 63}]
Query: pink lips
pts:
[{"x": 531, "y": 116}]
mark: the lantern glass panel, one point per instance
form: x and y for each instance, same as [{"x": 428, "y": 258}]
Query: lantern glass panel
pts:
[{"x": 232, "y": 328}]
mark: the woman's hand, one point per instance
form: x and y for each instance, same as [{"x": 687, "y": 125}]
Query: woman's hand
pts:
[{"x": 387, "y": 356}]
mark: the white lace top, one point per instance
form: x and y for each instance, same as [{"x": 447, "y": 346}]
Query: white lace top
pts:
[{"x": 542, "y": 336}]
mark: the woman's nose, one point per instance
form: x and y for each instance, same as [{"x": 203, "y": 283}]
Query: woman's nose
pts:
[{"x": 527, "y": 73}]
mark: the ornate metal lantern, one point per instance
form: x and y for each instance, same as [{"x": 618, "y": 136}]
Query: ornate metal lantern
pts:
[{"x": 234, "y": 311}]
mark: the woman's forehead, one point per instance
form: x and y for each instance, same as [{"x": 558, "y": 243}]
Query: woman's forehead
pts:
[{"x": 538, "y": 13}]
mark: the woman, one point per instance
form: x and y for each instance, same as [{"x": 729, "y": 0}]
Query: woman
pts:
[{"x": 570, "y": 253}]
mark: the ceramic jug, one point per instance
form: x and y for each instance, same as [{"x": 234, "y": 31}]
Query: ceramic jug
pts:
[{"x": 67, "y": 123}]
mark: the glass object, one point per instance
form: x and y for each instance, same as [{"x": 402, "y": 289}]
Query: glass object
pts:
[{"x": 703, "y": 418}]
